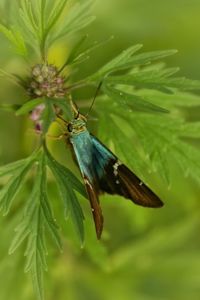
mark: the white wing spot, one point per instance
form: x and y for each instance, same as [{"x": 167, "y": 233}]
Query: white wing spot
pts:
[
  {"x": 115, "y": 167},
  {"x": 141, "y": 183}
]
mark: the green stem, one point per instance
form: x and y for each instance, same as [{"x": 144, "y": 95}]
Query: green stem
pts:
[
  {"x": 79, "y": 84},
  {"x": 43, "y": 50},
  {"x": 43, "y": 33}
]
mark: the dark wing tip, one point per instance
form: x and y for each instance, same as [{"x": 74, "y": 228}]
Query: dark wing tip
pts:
[
  {"x": 152, "y": 202},
  {"x": 134, "y": 189}
]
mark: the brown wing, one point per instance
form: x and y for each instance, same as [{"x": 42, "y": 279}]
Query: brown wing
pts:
[
  {"x": 95, "y": 206},
  {"x": 134, "y": 189},
  {"x": 118, "y": 179},
  {"x": 113, "y": 177}
]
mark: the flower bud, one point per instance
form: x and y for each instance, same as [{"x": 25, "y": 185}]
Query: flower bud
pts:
[{"x": 45, "y": 81}]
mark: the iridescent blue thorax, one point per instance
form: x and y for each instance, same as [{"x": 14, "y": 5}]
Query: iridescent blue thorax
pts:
[{"x": 82, "y": 145}]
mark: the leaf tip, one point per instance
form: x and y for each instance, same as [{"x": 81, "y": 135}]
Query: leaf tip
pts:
[
  {"x": 173, "y": 51},
  {"x": 10, "y": 251}
]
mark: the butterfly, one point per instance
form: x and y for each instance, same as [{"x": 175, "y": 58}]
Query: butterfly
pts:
[{"x": 102, "y": 171}]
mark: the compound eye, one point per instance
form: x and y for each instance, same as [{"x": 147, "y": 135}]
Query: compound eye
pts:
[{"x": 70, "y": 127}]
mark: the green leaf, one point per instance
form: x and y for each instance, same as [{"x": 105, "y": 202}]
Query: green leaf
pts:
[
  {"x": 84, "y": 55},
  {"x": 191, "y": 130},
  {"x": 67, "y": 183},
  {"x": 33, "y": 16},
  {"x": 12, "y": 167},
  {"x": 156, "y": 79},
  {"x": 77, "y": 57},
  {"x": 50, "y": 221},
  {"x": 131, "y": 101},
  {"x": 48, "y": 116},
  {"x": 41, "y": 11},
  {"x": 15, "y": 37},
  {"x": 67, "y": 174},
  {"x": 28, "y": 17},
  {"x": 174, "y": 102},
  {"x": 77, "y": 18},
  {"x": 161, "y": 164},
  {"x": 55, "y": 14},
  {"x": 117, "y": 62},
  {"x": 75, "y": 51},
  {"x": 37, "y": 217},
  {"x": 21, "y": 234},
  {"x": 45, "y": 207},
  {"x": 29, "y": 106},
  {"x": 13, "y": 78},
  {"x": 124, "y": 148},
  {"x": 127, "y": 60},
  {"x": 8, "y": 192},
  {"x": 161, "y": 137},
  {"x": 158, "y": 137},
  {"x": 148, "y": 57},
  {"x": 188, "y": 158}
]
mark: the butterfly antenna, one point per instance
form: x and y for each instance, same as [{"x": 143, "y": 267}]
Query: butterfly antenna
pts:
[
  {"x": 74, "y": 107},
  {"x": 93, "y": 101},
  {"x": 59, "y": 117}
]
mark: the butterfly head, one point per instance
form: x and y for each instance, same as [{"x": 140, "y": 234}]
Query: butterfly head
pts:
[{"x": 77, "y": 125}]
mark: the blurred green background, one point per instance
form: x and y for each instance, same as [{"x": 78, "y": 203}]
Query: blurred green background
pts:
[{"x": 145, "y": 254}]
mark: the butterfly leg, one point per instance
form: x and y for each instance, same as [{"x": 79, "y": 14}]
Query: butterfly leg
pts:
[{"x": 57, "y": 137}]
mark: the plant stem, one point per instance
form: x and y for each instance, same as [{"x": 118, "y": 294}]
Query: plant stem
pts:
[
  {"x": 43, "y": 32},
  {"x": 79, "y": 84},
  {"x": 43, "y": 51}
]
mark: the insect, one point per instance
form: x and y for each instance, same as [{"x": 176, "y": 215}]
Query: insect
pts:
[{"x": 102, "y": 171}]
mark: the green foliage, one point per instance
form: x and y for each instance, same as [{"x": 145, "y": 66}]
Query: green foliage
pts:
[
  {"x": 15, "y": 37},
  {"x": 28, "y": 106},
  {"x": 77, "y": 18},
  {"x": 127, "y": 60},
  {"x": 48, "y": 116},
  {"x": 18, "y": 171},
  {"x": 155, "y": 79},
  {"x": 132, "y": 101},
  {"x": 78, "y": 56},
  {"x": 159, "y": 135},
  {"x": 67, "y": 183},
  {"x": 55, "y": 14},
  {"x": 42, "y": 23},
  {"x": 38, "y": 217},
  {"x": 141, "y": 116}
]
